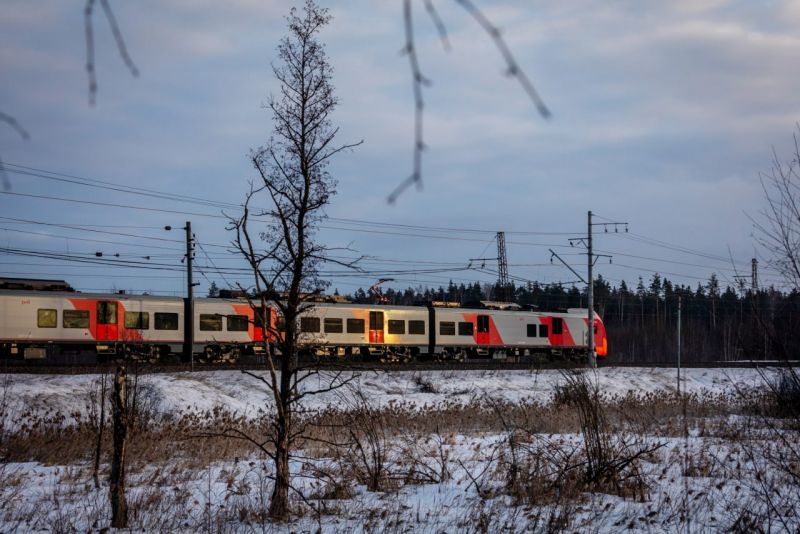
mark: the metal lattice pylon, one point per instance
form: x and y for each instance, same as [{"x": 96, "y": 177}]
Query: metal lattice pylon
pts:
[{"x": 503, "y": 286}]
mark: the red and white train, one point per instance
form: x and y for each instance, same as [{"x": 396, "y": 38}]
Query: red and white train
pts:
[{"x": 69, "y": 326}]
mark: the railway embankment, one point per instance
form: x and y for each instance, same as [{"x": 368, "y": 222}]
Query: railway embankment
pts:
[{"x": 173, "y": 393}]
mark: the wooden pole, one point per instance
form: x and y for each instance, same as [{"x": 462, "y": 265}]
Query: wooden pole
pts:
[{"x": 119, "y": 403}]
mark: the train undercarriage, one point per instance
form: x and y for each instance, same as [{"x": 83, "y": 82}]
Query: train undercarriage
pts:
[{"x": 65, "y": 354}]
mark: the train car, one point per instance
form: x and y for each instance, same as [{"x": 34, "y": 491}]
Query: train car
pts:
[
  {"x": 402, "y": 332},
  {"x": 76, "y": 327},
  {"x": 394, "y": 332},
  {"x": 225, "y": 329},
  {"x": 501, "y": 333}
]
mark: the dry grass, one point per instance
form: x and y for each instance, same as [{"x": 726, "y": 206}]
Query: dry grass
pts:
[{"x": 545, "y": 461}]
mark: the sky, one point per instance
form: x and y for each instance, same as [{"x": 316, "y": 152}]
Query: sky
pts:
[{"x": 664, "y": 114}]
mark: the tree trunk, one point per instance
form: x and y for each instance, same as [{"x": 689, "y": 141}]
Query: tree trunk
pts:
[
  {"x": 279, "y": 503},
  {"x": 119, "y": 507},
  {"x": 101, "y": 425}
]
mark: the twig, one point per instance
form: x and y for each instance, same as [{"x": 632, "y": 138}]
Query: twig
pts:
[
  {"x": 88, "y": 11},
  {"x": 513, "y": 67},
  {"x": 418, "y": 80},
  {"x": 437, "y": 21},
  {"x": 17, "y": 127}
]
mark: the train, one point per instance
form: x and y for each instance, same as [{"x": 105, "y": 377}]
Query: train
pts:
[{"x": 65, "y": 326}]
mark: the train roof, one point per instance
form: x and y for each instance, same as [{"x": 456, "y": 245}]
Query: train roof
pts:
[
  {"x": 34, "y": 284},
  {"x": 77, "y": 294},
  {"x": 212, "y": 300}
]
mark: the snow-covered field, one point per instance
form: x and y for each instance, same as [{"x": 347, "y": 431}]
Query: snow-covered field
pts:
[
  {"x": 243, "y": 395},
  {"x": 731, "y": 471}
]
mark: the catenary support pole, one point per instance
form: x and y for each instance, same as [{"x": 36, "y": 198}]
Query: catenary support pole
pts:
[
  {"x": 188, "y": 349},
  {"x": 590, "y": 291},
  {"x": 679, "y": 346}
]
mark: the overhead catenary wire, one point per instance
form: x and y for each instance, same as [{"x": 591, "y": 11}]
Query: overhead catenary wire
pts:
[
  {"x": 400, "y": 230},
  {"x": 75, "y": 179},
  {"x": 117, "y": 187}
]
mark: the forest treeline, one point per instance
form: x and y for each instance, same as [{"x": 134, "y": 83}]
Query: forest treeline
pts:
[{"x": 642, "y": 322}]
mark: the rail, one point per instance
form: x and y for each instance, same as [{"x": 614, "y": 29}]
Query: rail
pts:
[{"x": 19, "y": 366}]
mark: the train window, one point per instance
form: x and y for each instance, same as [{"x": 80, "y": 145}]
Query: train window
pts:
[
  {"x": 106, "y": 312},
  {"x": 165, "y": 321},
  {"x": 464, "y": 329},
  {"x": 355, "y": 326},
  {"x": 531, "y": 330},
  {"x": 137, "y": 320},
  {"x": 309, "y": 324},
  {"x": 416, "y": 327},
  {"x": 333, "y": 325},
  {"x": 483, "y": 324},
  {"x": 210, "y": 322},
  {"x": 447, "y": 328},
  {"x": 558, "y": 325},
  {"x": 280, "y": 323},
  {"x": 543, "y": 331},
  {"x": 376, "y": 320},
  {"x": 238, "y": 323},
  {"x": 76, "y": 318},
  {"x": 46, "y": 318},
  {"x": 397, "y": 326}
]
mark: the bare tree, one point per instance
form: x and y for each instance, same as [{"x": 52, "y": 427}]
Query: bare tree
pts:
[
  {"x": 283, "y": 254},
  {"x": 777, "y": 230},
  {"x": 778, "y": 227}
]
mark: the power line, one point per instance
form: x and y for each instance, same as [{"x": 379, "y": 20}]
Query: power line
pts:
[
  {"x": 677, "y": 248},
  {"x": 351, "y": 225},
  {"x": 439, "y": 228},
  {"x": 115, "y": 186},
  {"x": 112, "y": 186},
  {"x": 77, "y": 227},
  {"x": 203, "y": 250},
  {"x": 111, "y": 205},
  {"x": 73, "y": 238},
  {"x": 664, "y": 260}
]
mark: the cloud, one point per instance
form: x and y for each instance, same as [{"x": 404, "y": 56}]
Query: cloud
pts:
[{"x": 663, "y": 112}]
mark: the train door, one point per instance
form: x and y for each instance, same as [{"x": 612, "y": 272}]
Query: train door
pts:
[
  {"x": 557, "y": 332},
  {"x": 482, "y": 334},
  {"x": 261, "y": 318},
  {"x": 107, "y": 327},
  {"x": 376, "y": 327}
]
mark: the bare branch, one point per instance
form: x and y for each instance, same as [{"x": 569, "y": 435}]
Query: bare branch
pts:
[
  {"x": 437, "y": 21},
  {"x": 123, "y": 51},
  {"x": 511, "y": 63},
  {"x": 91, "y": 70},
  {"x": 418, "y": 80},
  {"x": 15, "y": 125}
]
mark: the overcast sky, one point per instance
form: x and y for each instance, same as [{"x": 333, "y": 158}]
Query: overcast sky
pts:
[{"x": 663, "y": 115}]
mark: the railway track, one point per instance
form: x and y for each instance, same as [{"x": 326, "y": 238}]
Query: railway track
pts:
[{"x": 7, "y": 366}]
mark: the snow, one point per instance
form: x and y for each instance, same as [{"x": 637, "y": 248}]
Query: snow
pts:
[
  {"x": 243, "y": 395},
  {"x": 717, "y": 477}
]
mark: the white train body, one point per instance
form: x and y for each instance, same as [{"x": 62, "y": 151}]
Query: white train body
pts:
[{"x": 38, "y": 324}]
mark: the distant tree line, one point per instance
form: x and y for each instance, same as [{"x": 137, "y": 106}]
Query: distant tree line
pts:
[{"x": 641, "y": 322}]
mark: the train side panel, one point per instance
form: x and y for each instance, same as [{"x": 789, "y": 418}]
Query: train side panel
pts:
[
  {"x": 36, "y": 324},
  {"x": 350, "y": 327}
]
